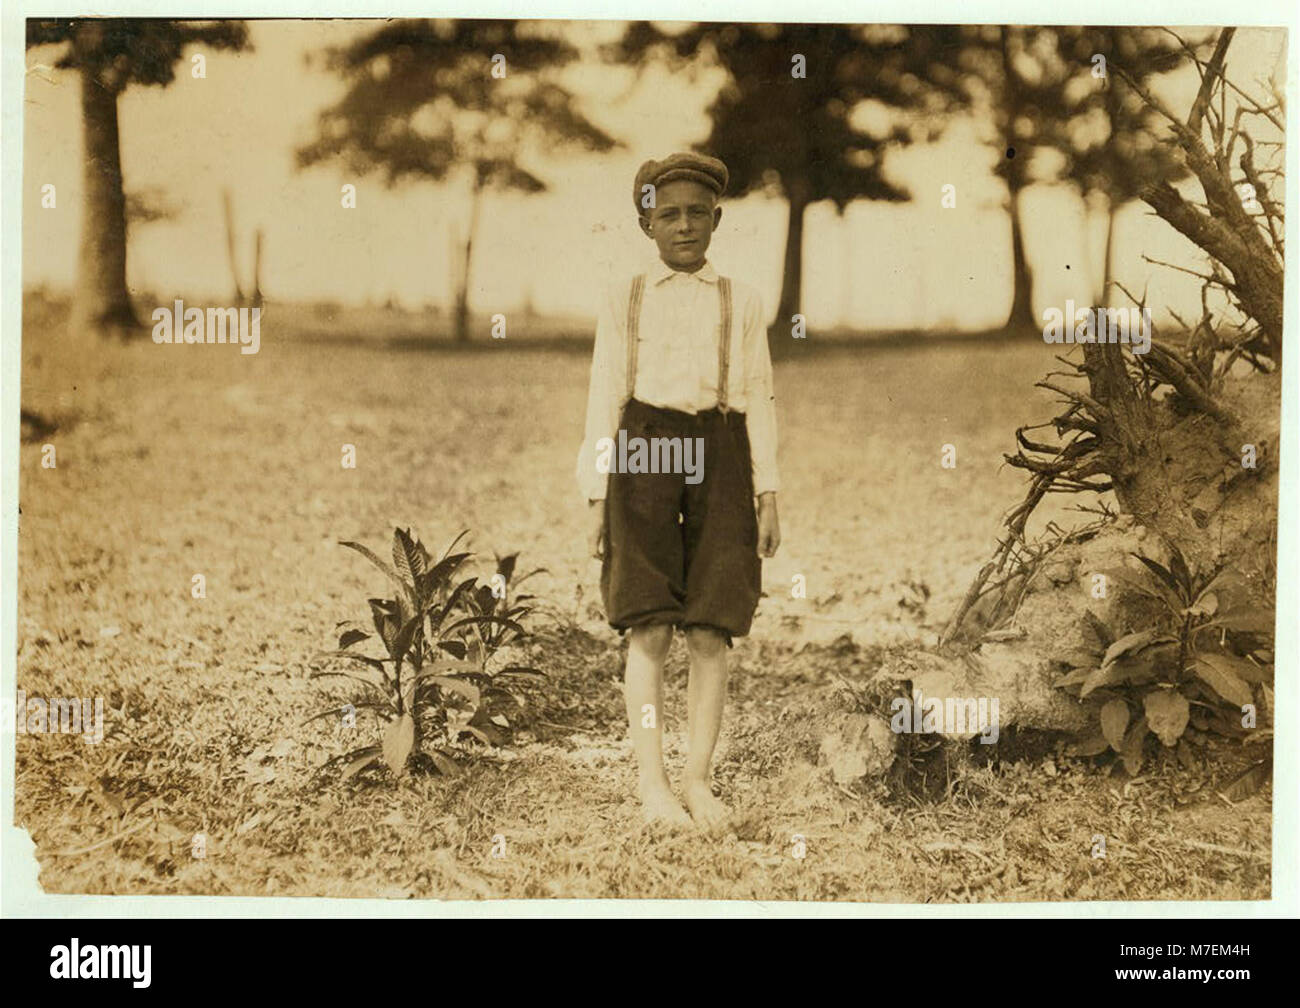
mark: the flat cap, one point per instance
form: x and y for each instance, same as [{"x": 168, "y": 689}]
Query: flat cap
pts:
[{"x": 708, "y": 171}]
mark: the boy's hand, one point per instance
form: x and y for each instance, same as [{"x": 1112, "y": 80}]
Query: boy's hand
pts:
[
  {"x": 596, "y": 539},
  {"x": 769, "y": 527}
]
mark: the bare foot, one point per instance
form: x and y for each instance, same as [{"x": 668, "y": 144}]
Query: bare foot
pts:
[
  {"x": 659, "y": 807},
  {"x": 708, "y": 812}
]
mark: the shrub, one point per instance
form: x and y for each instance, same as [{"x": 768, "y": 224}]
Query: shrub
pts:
[
  {"x": 436, "y": 682},
  {"x": 1188, "y": 673}
]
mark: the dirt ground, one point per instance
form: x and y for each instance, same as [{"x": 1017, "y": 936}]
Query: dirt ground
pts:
[{"x": 173, "y": 461}]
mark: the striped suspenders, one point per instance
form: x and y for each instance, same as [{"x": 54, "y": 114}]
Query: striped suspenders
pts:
[{"x": 724, "y": 339}]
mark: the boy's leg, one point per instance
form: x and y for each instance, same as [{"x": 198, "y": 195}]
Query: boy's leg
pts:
[
  {"x": 705, "y": 695},
  {"x": 643, "y": 685}
]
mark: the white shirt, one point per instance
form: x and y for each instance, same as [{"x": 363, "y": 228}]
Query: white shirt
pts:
[{"x": 677, "y": 364}]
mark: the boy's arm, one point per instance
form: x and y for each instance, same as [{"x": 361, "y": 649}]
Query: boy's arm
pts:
[
  {"x": 760, "y": 409},
  {"x": 603, "y": 395},
  {"x": 760, "y": 400}
]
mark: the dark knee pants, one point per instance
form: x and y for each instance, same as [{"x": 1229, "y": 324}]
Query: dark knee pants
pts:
[{"x": 682, "y": 553}]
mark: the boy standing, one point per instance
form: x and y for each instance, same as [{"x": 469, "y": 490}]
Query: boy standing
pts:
[{"x": 680, "y": 363}]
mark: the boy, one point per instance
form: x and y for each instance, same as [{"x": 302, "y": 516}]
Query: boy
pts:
[{"x": 680, "y": 365}]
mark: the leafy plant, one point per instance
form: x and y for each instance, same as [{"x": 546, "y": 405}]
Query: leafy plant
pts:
[
  {"x": 435, "y": 682},
  {"x": 1190, "y": 672}
]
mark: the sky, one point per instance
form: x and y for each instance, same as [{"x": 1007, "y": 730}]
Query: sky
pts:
[{"x": 878, "y": 266}]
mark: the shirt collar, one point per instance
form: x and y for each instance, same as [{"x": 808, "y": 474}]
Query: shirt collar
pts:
[{"x": 662, "y": 271}]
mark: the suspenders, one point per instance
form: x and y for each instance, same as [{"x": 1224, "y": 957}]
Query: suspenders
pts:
[
  {"x": 724, "y": 341},
  {"x": 633, "y": 330}
]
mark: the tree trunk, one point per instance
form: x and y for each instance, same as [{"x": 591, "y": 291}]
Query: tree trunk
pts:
[
  {"x": 1112, "y": 208},
  {"x": 798, "y": 194},
  {"x": 1022, "y": 285},
  {"x": 229, "y": 214},
  {"x": 101, "y": 302},
  {"x": 1014, "y": 171},
  {"x": 256, "y": 298},
  {"x": 462, "y": 291}
]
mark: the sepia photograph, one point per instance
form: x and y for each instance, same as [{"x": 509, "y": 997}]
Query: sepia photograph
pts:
[{"x": 485, "y": 459}]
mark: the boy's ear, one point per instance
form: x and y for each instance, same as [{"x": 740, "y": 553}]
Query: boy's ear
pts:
[
  {"x": 717, "y": 216},
  {"x": 644, "y": 221}
]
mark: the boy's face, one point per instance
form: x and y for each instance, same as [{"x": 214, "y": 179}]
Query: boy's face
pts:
[{"x": 682, "y": 222}]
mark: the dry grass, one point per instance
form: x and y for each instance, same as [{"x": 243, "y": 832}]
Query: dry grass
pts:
[{"x": 174, "y": 461}]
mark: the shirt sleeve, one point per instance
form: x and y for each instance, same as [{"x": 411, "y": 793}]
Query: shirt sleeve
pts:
[
  {"x": 760, "y": 398},
  {"x": 604, "y": 394}
]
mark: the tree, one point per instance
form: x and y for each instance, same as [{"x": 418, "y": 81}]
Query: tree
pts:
[
  {"x": 1238, "y": 223},
  {"x": 471, "y": 99},
  {"x": 1109, "y": 136},
  {"x": 1033, "y": 88},
  {"x": 1185, "y": 439},
  {"x": 999, "y": 73},
  {"x": 785, "y": 120},
  {"x": 109, "y": 54}
]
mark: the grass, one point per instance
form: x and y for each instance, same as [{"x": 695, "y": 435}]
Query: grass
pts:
[{"x": 181, "y": 460}]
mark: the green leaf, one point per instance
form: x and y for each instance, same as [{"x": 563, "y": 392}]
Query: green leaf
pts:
[
  {"x": 1114, "y": 720},
  {"x": 1217, "y": 673},
  {"x": 1077, "y": 658},
  {"x": 519, "y": 670},
  {"x": 1182, "y": 576},
  {"x": 486, "y": 621},
  {"x": 445, "y": 765},
  {"x": 453, "y": 647},
  {"x": 352, "y": 636},
  {"x": 1132, "y": 754},
  {"x": 468, "y": 690},
  {"x": 454, "y": 542},
  {"x": 436, "y": 617},
  {"x": 407, "y": 558},
  {"x": 360, "y": 759},
  {"x": 479, "y": 733},
  {"x": 1098, "y": 678},
  {"x": 1242, "y": 668},
  {"x": 1075, "y": 677},
  {"x": 1096, "y": 634},
  {"x": 436, "y": 578},
  {"x": 1133, "y": 642},
  {"x": 399, "y": 740},
  {"x": 451, "y": 666},
  {"x": 1206, "y": 605},
  {"x": 402, "y": 642},
  {"x": 1167, "y": 711},
  {"x": 1128, "y": 669},
  {"x": 506, "y": 566},
  {"x": 1250, "y": 781},
  {"x": 387, "y": 616},
  {"x": 1093, "y": 745},
  {"x": 370, "y": 555},
  {"x": 524, "y": 577},
  {"x": 1226, "y": 581},
  {"x": 1134, "y": 581},
  {"x": 1244, "y": 619},
  {"x": 353, "y": 656},
  {"x": 336, "y": 674},
  {"x": 1163, "y": 574}
]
